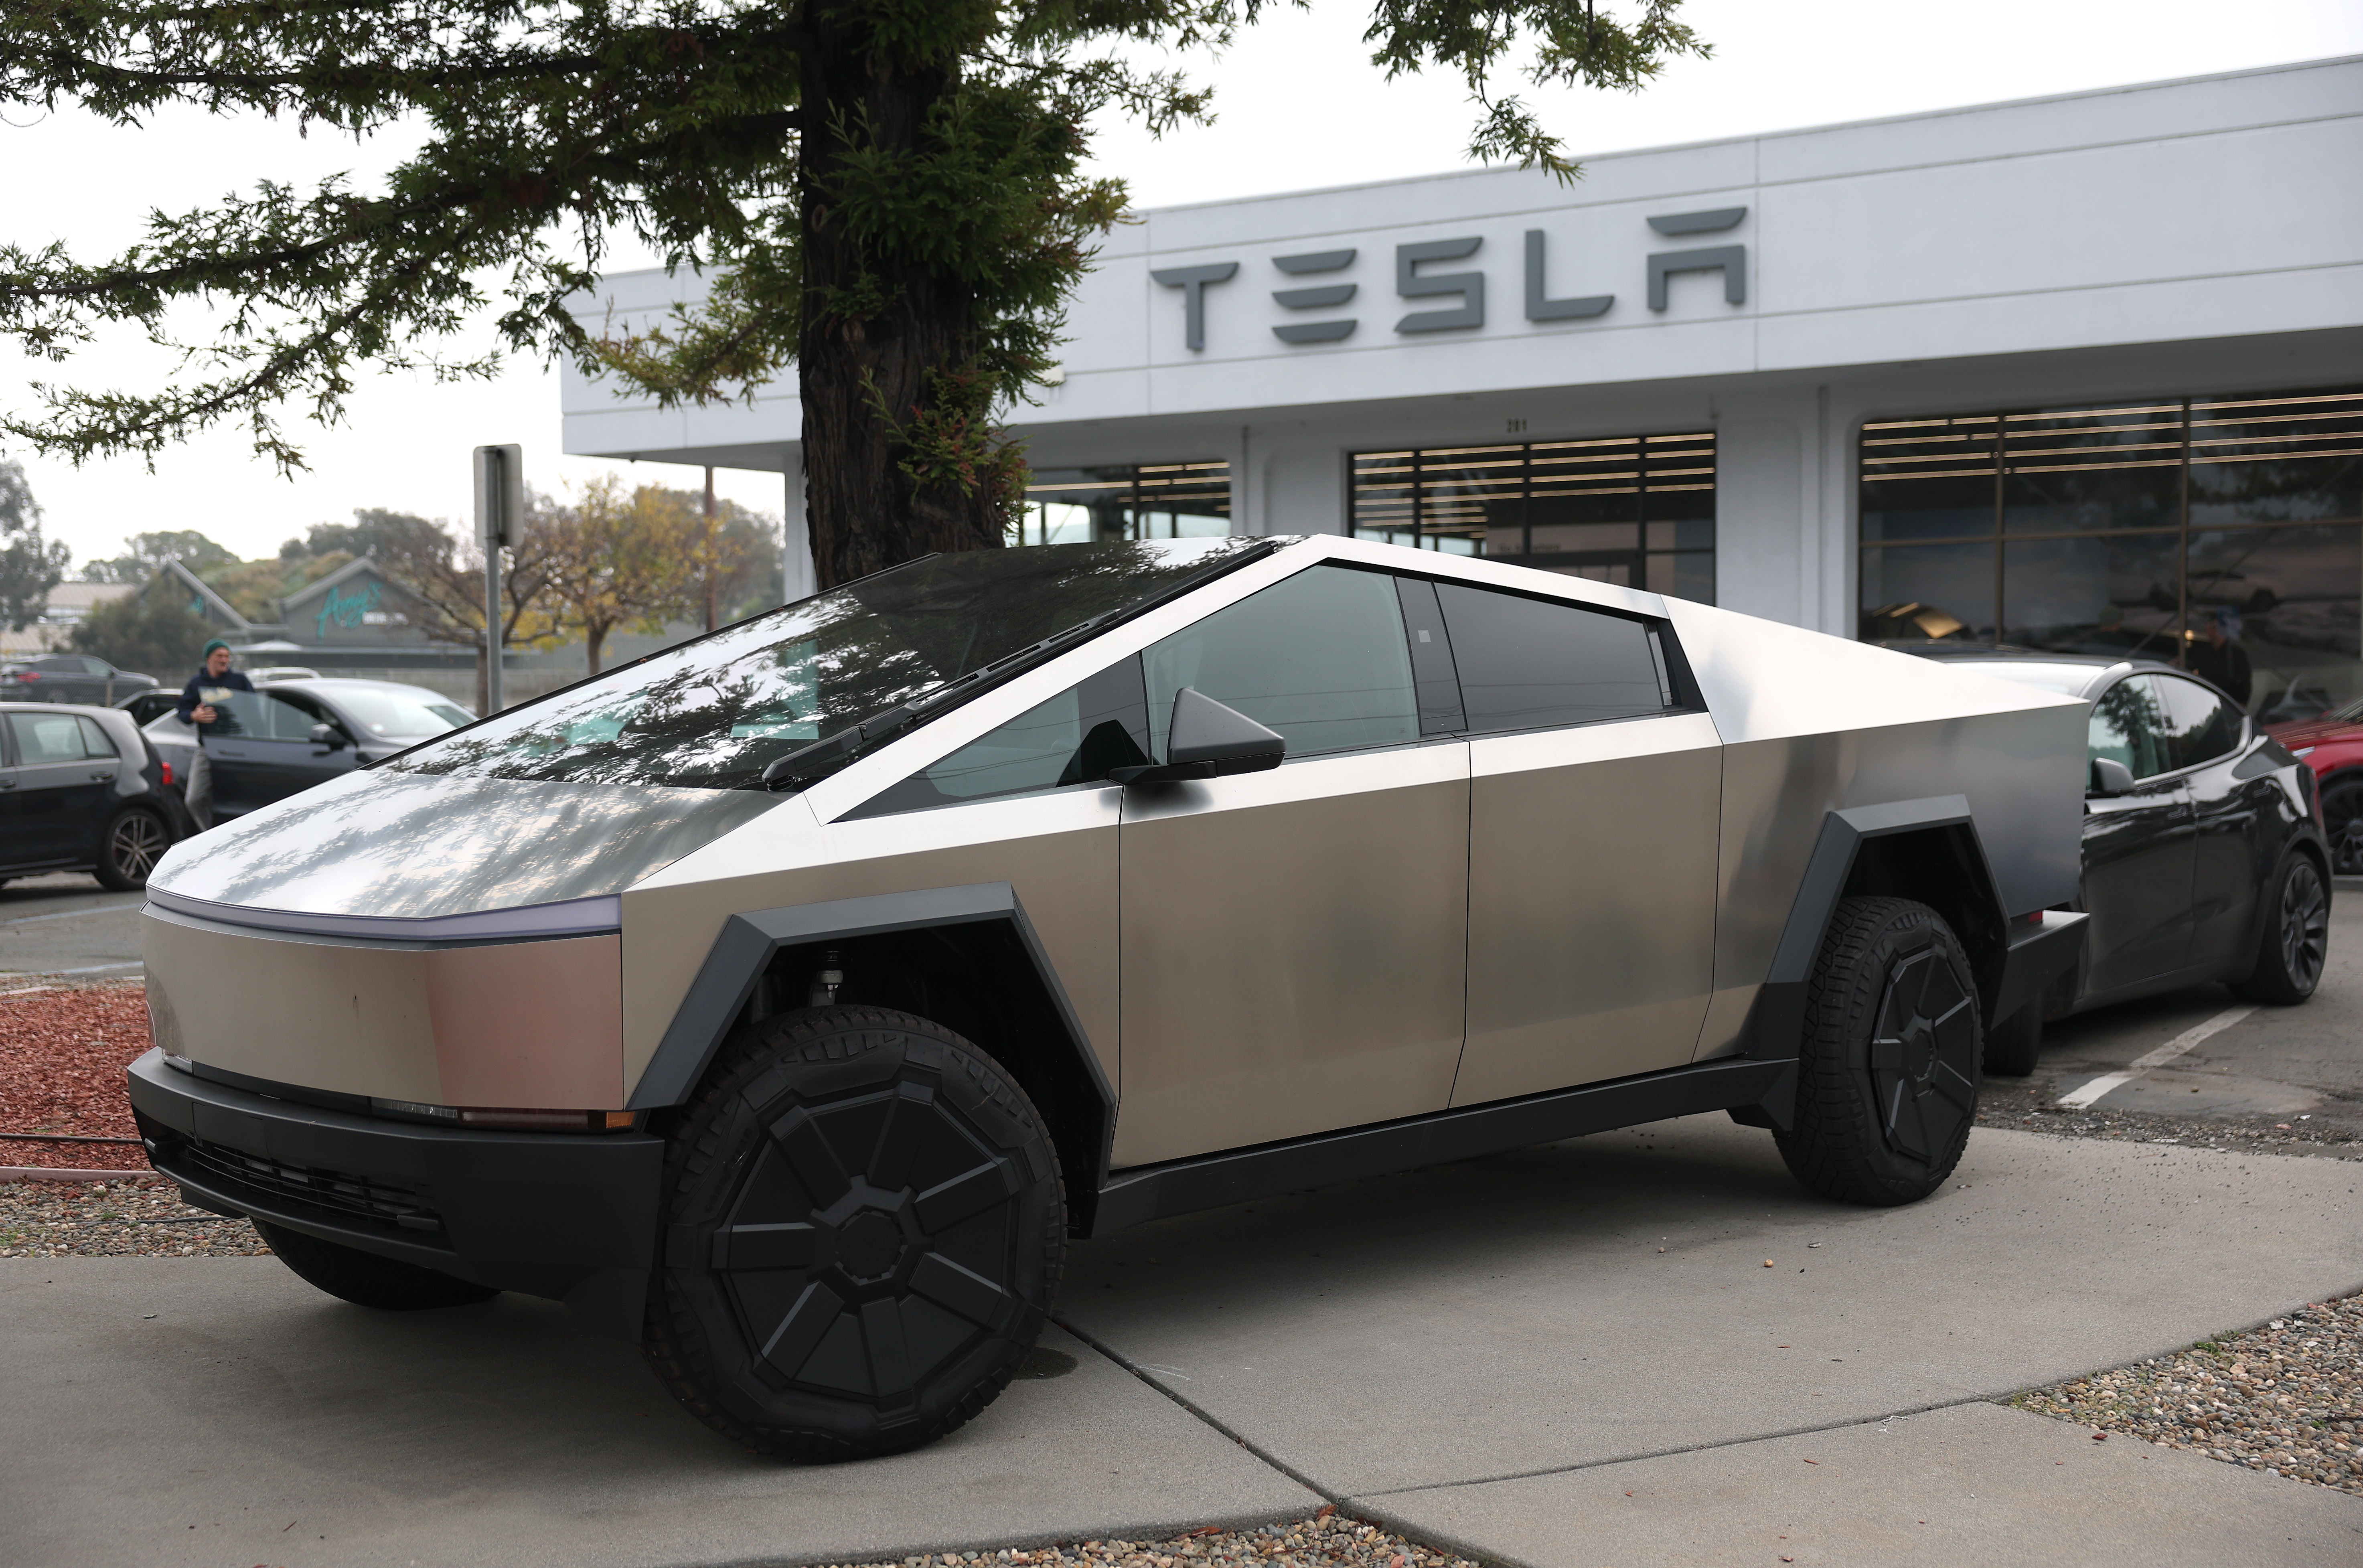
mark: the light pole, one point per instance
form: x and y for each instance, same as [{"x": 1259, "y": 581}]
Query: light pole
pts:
[{"x": 499, "y": 510}]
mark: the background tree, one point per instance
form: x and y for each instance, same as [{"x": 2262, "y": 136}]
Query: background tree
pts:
[
  {"x": 621, "y": 561},
  {"x": 143, "y": 554},
  {"x": 447, "y": 577},
  {"x": 30, "y": 565},
  {"x": 888, "y": 194},
  {"x": 150, "y": 633}
]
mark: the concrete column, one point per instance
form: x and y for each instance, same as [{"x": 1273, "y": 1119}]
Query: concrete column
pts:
[{"x": 795, "y": 535}]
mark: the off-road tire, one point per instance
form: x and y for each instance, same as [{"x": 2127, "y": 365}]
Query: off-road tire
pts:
[
  {"x": 1890, "y": 1064},
  {"x": 134, "y": 841},
  {"x": 2295, "y": 938},
  {"x": 365, "y": 1278},
  {"x": 2014, "y": 1045},
  {"x": 864, "y": 1231}
]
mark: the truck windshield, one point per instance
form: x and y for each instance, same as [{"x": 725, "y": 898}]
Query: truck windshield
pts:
[{"x": 712, "y": 713}]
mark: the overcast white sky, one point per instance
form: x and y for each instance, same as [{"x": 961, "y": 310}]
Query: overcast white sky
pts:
[{"x": 1300, "y": 107}]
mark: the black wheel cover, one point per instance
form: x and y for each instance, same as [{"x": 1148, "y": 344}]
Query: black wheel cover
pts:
[
  {"x": 1924, "y": 1053},
  {"x": 2304, "y": 925},
  {"x": 865, "y": 1234}
]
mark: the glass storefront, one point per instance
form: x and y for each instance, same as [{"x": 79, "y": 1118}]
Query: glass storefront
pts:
[
  {"x": 1634, "y": 511},
  {"x": 2223, "y": 534},
  {"x": 1150, "y": 500}
]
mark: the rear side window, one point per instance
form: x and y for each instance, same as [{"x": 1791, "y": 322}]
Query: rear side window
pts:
[
  {"x": 2199, "y": 727},
  {"x": 94, "y": 740},
  {"x": 55, "y": 738},
  {"x": 1536, "y": 663},
  {"x": 2125, "y": 726},
  {"x": 1320, "y": 657}
]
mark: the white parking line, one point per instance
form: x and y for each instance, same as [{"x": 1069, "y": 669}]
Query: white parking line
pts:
[{"x": 2079, "y": 1098}]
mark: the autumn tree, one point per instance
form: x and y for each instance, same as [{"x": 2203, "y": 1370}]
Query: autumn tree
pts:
[
  {"x": 447, "y": 578},
  {"x": 144, "y": 553},
  {"x": 889, "y": 196},
  {"x": 621, "y": 560}
]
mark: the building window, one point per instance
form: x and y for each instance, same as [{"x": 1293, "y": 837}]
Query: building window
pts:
[
  {"x": 2223, "y": 534},
  {"x": 1150, "y": 500},
  {"x": 1634, "y": 510}
]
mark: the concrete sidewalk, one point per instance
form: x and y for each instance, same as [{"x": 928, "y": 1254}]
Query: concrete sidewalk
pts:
[{"x": 1491, "y": 1355}]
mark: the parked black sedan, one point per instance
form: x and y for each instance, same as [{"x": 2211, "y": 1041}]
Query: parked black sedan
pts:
[
  {"x": 291, "y": 735},
  {"x": 2204, "y": 857},
  {"x": 81, "y": 789},
  {"x": 69, "y": 677}
]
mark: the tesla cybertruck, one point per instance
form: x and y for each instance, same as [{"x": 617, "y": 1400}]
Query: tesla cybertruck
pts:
[{"x": 785, "y": 1001}]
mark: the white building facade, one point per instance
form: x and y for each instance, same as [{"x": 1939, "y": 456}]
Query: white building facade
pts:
[{"x": 2082, "y": 372}]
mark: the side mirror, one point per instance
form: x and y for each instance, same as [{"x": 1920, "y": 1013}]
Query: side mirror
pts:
[
  {"x": 331, "y": 737},
  {"x": 1207, "y": 741},
  {"x": 2110, "y": 777}
]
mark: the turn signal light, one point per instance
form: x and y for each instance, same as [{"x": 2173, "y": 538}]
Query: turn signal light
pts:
[{"x": 517, "y": 1118}]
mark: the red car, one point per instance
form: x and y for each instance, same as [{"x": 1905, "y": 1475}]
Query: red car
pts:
[{"x": 2332, "y": 746}]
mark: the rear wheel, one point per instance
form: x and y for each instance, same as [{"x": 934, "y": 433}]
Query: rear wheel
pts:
[
  {"x": 2342, "y": 820},
  {"x": 2016, "y": 1044},
  {"x": 2295, "y": 940},
  {"x": 130, "y": 848},
  {"x": 365, "y": 1278},
  {"x": 864, "y": 1232},
  {"x": 1889, "y": 1067}
]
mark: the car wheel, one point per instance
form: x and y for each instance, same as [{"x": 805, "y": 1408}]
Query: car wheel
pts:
[
  {"x": 2296, "y": 937},
  {"x": 365, "y": 1279},
  {"x": 2342, "y": 820},
  {"x": 864, "y": 1231},
  {"x": 1889, "y": 1065},
  {"x": 2016, "y": 1044},
  {"x": 132, "y": 845}
]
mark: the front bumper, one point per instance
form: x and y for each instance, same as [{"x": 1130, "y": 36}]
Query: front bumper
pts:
[{"x": 570, "y": 1218}]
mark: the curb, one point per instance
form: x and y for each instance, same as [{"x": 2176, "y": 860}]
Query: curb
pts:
[{"x": 54, "y": 1174}]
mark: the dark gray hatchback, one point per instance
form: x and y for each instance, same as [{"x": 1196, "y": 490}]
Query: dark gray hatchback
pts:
[{"x": 81, "y": 789}]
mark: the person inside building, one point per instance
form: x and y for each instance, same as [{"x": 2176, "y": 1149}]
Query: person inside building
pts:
[
  {"x": 201, "y": 703},
  {"x": 2220, "y": 659}
]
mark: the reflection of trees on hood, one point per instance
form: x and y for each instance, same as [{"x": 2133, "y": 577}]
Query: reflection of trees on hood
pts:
[
  {"x": 712, "y": 713},
  {"x": 396, "y": 844}
]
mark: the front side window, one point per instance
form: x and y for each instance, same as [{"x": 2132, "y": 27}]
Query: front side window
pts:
[
  {"x": 1535, "y": 663},
  {"x": 1073, "y": 739},
  {"x": 713, "y": 713},
  {"x": 1320, "y": 657},
  {"x": 2199, "y": 728},
  {"x": 2126, "y": 727}
]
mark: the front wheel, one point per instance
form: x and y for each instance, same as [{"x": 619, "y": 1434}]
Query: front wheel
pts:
[
  {"x": 1889, "y": 1063},
  {"x": 129, "y": 849},
  {"x": 365, "y": 1278},
  {"x": 2342, "y": 821},
  {"x": 864, "y": 1231},
  {"x": 2295, "y": 940}
]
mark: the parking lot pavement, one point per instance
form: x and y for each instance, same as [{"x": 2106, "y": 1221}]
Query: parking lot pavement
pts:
[
  {"x": 181, "y": 1411},
  {"x": 1403, "y": 1345},
  {"x": 64, "y": 923},
  {"x": 2274, "y": 1063}
]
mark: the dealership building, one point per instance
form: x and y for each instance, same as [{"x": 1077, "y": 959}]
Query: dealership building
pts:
[{"x": 2076, "y": 373}]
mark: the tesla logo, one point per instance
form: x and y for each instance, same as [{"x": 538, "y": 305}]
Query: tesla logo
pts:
[{"x": 1417, "y": 275}]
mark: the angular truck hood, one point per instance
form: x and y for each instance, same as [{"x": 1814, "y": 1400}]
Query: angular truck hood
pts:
[{"x": 426, "y": 846}]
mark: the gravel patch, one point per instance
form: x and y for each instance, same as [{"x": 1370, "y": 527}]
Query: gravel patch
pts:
[
  {"x": 131, "y": 1219},
  {"x": 2018, "y": 1104},
  {"x": 62, "y": 1051},
  {"x": 2286, "y": 1399},
  {"x": 1328, "y": 1537}
]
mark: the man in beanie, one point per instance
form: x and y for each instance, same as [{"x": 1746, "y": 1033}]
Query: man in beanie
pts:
[{"x": 209, "y": 687}]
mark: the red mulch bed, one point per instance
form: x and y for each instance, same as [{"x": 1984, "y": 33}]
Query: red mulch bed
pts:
[{"x": 61, "y": 1058}]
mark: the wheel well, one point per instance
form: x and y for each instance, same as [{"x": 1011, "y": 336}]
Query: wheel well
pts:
[
  {"x": 978, "y": 979},
  {"x": 1945, "y": 869}
]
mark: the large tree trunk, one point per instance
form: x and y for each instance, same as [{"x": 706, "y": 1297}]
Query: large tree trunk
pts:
[{"x": 864, "y": 512}]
